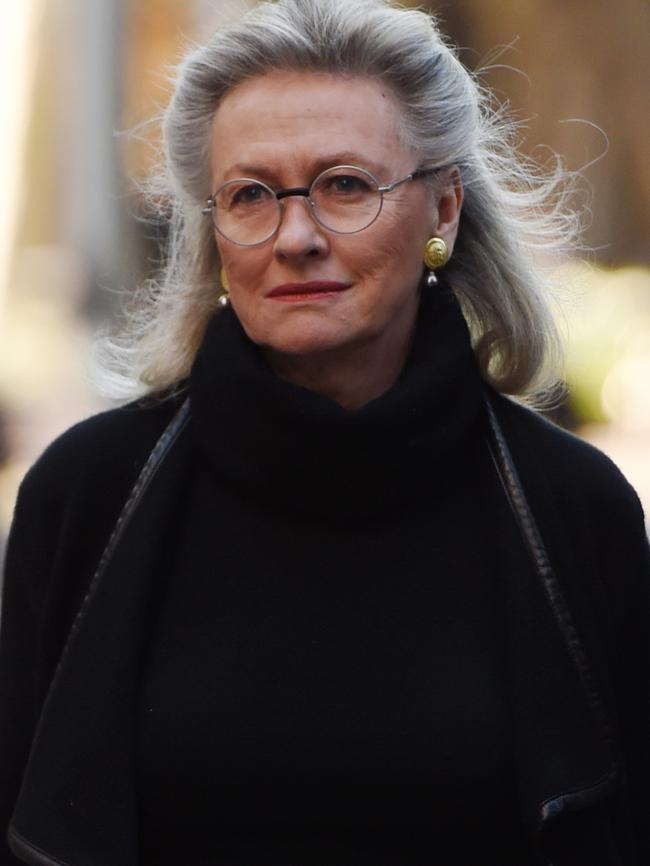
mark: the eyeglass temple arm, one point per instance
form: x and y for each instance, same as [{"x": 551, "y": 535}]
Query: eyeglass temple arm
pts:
[{"x": 419, "y": 172}]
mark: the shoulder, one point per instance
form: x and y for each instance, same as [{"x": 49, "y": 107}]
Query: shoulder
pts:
[
  {"x": 101, "y": 453},
  {"x": 71, "y": 497},
  {"x": 569, "y": 467},
  {"x": 66, "y": 509},
  {"x": 589, "y": 515}
]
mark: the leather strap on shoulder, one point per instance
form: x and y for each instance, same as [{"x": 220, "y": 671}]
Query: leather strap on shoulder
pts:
[
  {"x": 154, "y": 461},
  {"x": 531, "y": 535}
]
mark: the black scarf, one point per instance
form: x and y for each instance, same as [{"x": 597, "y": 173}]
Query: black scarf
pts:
[{"x": 283, "y": 443}]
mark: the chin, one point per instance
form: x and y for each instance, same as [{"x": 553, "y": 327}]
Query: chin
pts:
[
  {"x": 307, "y": 340},
  {"x": 304, "y": 347}
]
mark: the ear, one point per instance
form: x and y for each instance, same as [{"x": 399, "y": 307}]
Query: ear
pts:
[{"x": 449, "y": 202}]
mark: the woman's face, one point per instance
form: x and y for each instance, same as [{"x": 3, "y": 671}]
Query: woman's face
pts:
[{"x": 284, "y": 128}]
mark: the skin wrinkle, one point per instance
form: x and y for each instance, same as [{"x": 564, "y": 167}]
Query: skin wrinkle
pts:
[{"x": 350, "y": 347}]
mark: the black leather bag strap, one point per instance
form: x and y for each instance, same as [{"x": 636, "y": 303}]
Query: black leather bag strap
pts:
[
  {"x": 150, "y": 468},
  {"x": 514, "y": 491},
  {"x": 531, "y": 535}
]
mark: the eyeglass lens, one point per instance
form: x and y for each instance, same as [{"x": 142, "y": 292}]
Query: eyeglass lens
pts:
[{"x": 344, "y": 199}]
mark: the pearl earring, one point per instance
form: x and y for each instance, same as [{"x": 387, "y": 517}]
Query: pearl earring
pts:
[{"x": 224, "y": 298}]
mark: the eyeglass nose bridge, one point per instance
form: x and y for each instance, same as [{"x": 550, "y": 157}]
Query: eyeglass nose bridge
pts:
[
  {"x": 305, "y": 192},
  {"x": 302, "y": 191},
  {"x": 297, "y": 190}
]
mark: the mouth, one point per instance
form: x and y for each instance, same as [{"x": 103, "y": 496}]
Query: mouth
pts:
[{"x": 310, "y": 291}]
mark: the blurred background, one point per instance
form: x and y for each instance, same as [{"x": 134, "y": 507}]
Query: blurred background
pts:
[{"x": 76, "y": 74}]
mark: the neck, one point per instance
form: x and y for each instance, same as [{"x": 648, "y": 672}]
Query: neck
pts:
[{"x": 352, "y": 376}]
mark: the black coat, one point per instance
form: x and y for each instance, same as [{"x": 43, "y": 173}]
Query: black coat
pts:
[{"x": 580, "y": 646}]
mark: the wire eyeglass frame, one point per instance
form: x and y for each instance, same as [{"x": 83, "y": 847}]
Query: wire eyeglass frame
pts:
[{"x": 306, "y": 192}]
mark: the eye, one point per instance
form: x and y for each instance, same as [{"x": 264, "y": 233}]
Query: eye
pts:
[
  {"x": 252, "y": 193},
  {"x": 346, "y": 184}
]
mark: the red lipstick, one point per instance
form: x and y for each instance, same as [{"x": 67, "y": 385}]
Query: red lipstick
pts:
[{"x": 309, "y": 291}]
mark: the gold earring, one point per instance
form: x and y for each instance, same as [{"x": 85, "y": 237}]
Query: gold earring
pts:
[
  {"x": 224, "y": 298},
  {"x": 436, "y": 254}
]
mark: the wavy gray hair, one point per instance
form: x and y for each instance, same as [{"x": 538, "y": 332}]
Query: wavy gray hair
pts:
[{"x": 512, "y": 211}]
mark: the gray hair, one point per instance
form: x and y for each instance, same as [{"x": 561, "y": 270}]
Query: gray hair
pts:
[{"x": 514, "y": 214}]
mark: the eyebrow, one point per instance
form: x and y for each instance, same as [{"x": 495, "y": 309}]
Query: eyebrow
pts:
[{"x": 240, "y": 169}]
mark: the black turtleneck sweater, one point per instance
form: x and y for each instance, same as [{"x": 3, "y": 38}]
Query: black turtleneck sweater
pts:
[{"x": 326, "y": 679}]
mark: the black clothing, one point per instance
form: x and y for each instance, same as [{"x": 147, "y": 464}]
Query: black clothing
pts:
[
  {"x": 286, "y": 445},
  {"x": 78, "y": 802},
  {"x": 328, "y": 677}
]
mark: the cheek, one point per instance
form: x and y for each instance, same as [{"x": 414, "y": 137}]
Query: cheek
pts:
[
  {"x": 243, "y": 267},
  {"x": 395, "y": 248}
]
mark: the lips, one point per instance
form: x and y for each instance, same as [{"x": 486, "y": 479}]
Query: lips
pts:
[{"x": 307, "y": 291}]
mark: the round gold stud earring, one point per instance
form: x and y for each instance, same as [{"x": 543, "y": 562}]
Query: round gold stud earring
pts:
[
  {"x": 436, "y": 253},
  {"x": 224, "y": 298}
]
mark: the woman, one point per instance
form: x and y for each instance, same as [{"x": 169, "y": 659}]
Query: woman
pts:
[{"x": 359, "y": 607}]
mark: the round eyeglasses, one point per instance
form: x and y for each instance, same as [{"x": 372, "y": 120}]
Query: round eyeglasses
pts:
[{"x": 344, "y": 199}]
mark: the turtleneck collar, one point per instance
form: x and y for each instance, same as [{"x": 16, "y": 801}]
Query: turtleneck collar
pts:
[{"x": 282, "y": 443}]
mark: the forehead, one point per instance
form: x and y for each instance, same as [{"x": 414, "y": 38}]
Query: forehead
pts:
[{"x": 288, "y": 122}]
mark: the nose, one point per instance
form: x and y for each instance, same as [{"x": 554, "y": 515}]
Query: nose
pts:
[{"x": 299, "y": 236}]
